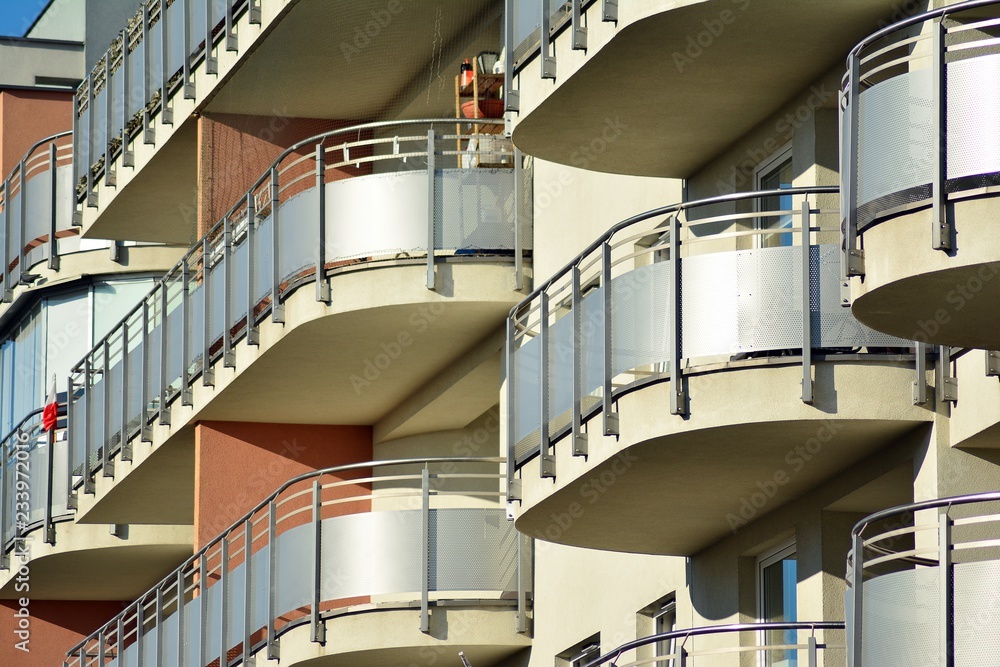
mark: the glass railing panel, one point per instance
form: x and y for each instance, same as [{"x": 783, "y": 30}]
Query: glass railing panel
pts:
[
  {"x": 135, "y": 410},
  {"x": 115, "y": 396},
  {"x": 154, "y": 366},
  {"x": 174, "y": 333}
]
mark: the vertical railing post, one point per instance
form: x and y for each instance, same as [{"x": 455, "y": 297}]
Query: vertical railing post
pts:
[
  {"x": 941, "y": 231},
  {"x": 24, "y": 277},
  {"x": 6, "y": 510},
  {"x": 148, "y": 133},
  {"x": 140, "y": 622},
  {"x": 145, "y": 430},
  {"x": 120, "y": 635},
  {"x": 181, "y": 594},
  {"x": 322, "y": 284},
  {"x": 207, "y": 373},
  {"x": 807, "y": 381},
  {"x": 71, "y": 499},
  {"x": 273, "y": 652},
  {"x": 513, "y": 484},
  {"x": 49, "y": 528},
  {"x": 76, "y": 215},
  {"x": 546, "y": 453},
  {"x": 518, "y": 217},
  {"x": 521, "y": 624},
  {"x": 110, "y": 177},
  {"x": 857, "y": 599},
  {"x": 812, "y": 657},
  {"x": 166, "y": 109},
  {"x": 211, "y": 62},
  {"x": 187, "y": 397},
  {"x": 223, "y": 600},
  {"x": 247, "y": 591},
  {"x": 88, "y": 439},
  {"x": 609, "y": 11},
  {"x": 232, "y": 43},
  {"x": 548, "y": 57},
  {"x": 53, "y": 211},
  {"x": 89, "y": 166},
  {"x": 511, "y": 97},
  {"x": 425, "y": 549},
  {"x": 253, "y": 334},
  {"x": 186, "y": 49},
  {"x": 611, "y": 423},
  {"x": 945, "y": 581},
  {"x": 158, "y": 619},
  {"x": 102, "y": 643},
  {"x": 678, "y": 395},
  {"x": 580, "y": 445},
  {"x": 254, "y": 12},
  {"x": 947, "y": 383},
  {"x": 202, "y": 579},
  {"x": 277, "y": 308},
  {"x": 318, "y": 628},
  {"x": 579, "y": 30},
  {"x": 8, "y": 289},
  {"x": 228, "y": 355},
  {"x": 126, "y": 448},
  {"x": 431, "y": 205},
  {"x": 128, "y": 157},
  {"x": 853, "y": 259},
  {"x": 164, "y": 383},
  {"x": 107, "y": 467}
]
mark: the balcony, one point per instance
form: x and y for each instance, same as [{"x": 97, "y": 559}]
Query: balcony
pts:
[
  {"x": 701, "y": 351},
  {"x": 920, "y": 172},
  {"x": 802, "y": 643},
  {"x": 136, "y": 112},
  {"x": 696, "y": 76},
  {"x": 358, "y": 207},
  {"x": 922, "y": 590},
  {"x": 34, "y": 498},
  {"x": 360, "y": 564}
]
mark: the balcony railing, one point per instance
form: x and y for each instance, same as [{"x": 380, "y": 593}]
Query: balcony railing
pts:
[
  {"x": 150, "y": 62},
  {"x": 403, "y": 534},
  {"x": 530, "y": 28},
  {"x": 736, "y": 644},
  {"x": 345, "y": 199},
  {"x": 33, "y": 489},
  {"x": 919, "y": 120},
  {"x": 923, "y": 590},
  {"x": 36, "y": 207},
  {"x": 718, "y": 283}
]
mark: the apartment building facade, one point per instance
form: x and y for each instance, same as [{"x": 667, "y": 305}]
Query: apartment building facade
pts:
[{"x": 505, "y": 333}]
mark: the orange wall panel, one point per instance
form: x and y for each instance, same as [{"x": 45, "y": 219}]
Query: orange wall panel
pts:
[
  {"x": 55, "y": 626},
  {"x": 27, "y": 116}
]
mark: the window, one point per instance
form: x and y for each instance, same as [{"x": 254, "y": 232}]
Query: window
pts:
[
  {"x": 777, "y": 576},
  {"x": 775, "y": 173},
  {"x": 581, "y": 654},
  {"x": 665, "y": 619}
]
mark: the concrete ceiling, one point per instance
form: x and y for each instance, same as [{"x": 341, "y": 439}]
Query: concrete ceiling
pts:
[
  {"x": 686, "y": 491},
  {"x": 680, "y": 105},
  {"x": 890, "y": 490},
  {"x": 356, "y": 60}
]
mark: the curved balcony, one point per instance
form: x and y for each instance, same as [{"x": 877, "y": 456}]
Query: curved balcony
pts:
[
  {"x": 923, "y": 589},
  {"x": 710, "y": 339},
  {"x": 802, "y": 643},
  {"x": 717, "y": 76},
  {"x": 172, "y": 358},
  {"x": 920, "y": 172},
  {"x": 371, "y": 559}
]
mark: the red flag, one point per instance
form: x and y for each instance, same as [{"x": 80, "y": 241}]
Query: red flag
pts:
[{"x": 50, "y": 415}]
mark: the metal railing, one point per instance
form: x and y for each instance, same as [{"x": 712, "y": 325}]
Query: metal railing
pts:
[
  {"x": 777, "y": 644},
  {"x": 33, "y": 492},
  {"x": 393, "y": 191},
  {"x": 918, "y": 128},
  {"x": 150, "y": 62},
  {"x": 527, "y": 37},
  {"x": 930, "y": 568},
  {"x": 36, "y": 212},
  {"x": 395, "y": 533},
  {"x": 758, "y": 277}
]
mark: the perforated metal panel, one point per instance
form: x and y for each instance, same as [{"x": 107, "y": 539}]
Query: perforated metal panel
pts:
[
  {"x": 560, "y": 371},
  {"x": 475, "y": 209},
  {"x": 974, "y": 116},
  {"x": 977, "y": 613},
  {"x": 472, "y": 550},
  {"x": 901, "y": 619},
  {"x": 639, "y": 322},
  {"x": 895, "y": 135},
  {"x": 527, "y": 390}
]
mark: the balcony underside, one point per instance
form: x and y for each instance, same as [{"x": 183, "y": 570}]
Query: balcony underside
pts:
[
  {"x": 675, "y": 485},
  {"x": 304, "y": 46},
  {"x": 948, "y": 298},
  {"x": 392, "y": 638},
  {"x": 662, "y": 104},
  {"x": 381, "y": 341},
  {"x": 89, "y": 563}
]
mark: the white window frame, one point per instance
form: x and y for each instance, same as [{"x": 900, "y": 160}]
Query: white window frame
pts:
[
  {"x": 763, "y": 169},
  {"x": 669, "y": 606},
  {"x": 780, "y": 552}
]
